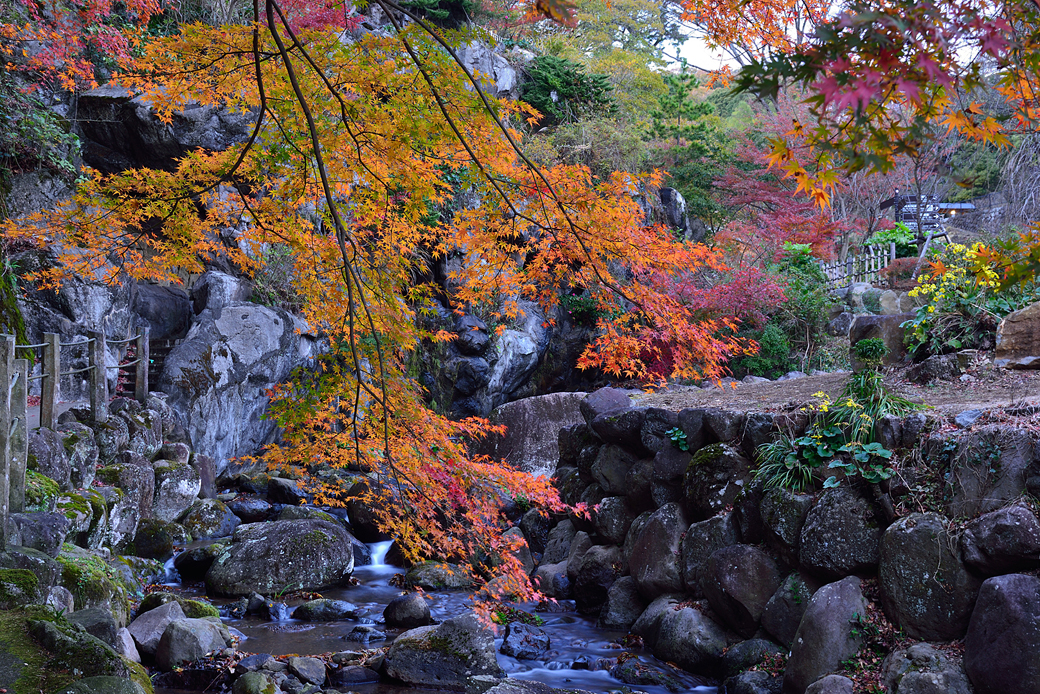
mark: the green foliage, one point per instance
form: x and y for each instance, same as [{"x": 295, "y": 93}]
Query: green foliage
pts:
[
  {"x": 40, "y": 491},
  {"x": 563, "y": 93},
  {"x": 900, "y": 235},
  {"x": 605, "y": 145},
  {"x": 774, "y": 353},
  {"x": 31, "y": 135},
  {"x": 678, "y": 437},
  {"x": 273, "y": 283},
  {"x": 504, "y": 614},
  {"x": 447, "y": 13},
  {"x": 803, "y": 316},
  {"x": 871, "y": 351}
]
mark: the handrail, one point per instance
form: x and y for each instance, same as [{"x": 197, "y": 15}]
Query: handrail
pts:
[
  {"x": 36, "y": 378},
  {"x": 123, "y": 342},
  {"x": 73, "y": 344},
  {"x": 42, "y": 344},
  {"x": 75, "y": 371},
  {"x": 129, "y": 363}
]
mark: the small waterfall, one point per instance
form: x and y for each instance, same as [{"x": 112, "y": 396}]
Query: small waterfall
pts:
[
  {"x": 170, "y": 577},
  {"x": 379, "y": 550}
]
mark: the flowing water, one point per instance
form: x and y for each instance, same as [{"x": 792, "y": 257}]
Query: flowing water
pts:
[{"x": 580, "y": 653}]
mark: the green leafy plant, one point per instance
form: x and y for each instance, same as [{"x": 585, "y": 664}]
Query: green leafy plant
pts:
[
  {"x": 562, "y": 91},
  {"x": 774, "y": 353},
  {"x": 901, "y": 235},
  {"x": 678, "y": 437}
]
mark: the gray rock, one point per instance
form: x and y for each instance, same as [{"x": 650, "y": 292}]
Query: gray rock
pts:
[
  {"x": 524, "y": 642},
  {"x": 214, "y": 290},
  {"x": 640, "y": 481},
  {"x": 691, "y": 640},
  {"x": 155, "y": 539},
  {"x": 600, "y": 566},
  {"x": 407, "y": 612},
  {"x": 251, "y": 510},
  {"x": 353, "y": 675},
  {"x": 783, "y": 613},
  {"x": 325, "y": 610},
  {"x": 610, "y": 469},
  {"x": 839, "y": 325},
  {"x": 254, "y": 683},
  {"x": 888, "y": 328},
  {"x": 433, "y": 575},
  {"x": 186, "y": 640},
  {"x": 443, "y": 656},
  {"x": 209, "y": 518},
  {"x": 623, "y": 607},
  {"x": 148, "y": 628},
  {"x": 112, "y": 436},
  {"x": 793, "y": 375},
  {"x": 747, "y": 654},
  {"x": 754, "y": 682},
  {"x": 989, "y": 468},
  {"x": 649, "y": 623},
  {"x": 552, "y": 580},
  {"x": 125, "y": 646},
  {"x": 47, "y": 456},
  {"x": 941, "y": 367},
  {"x": 177, "y": 486},
  {"x": 60, "y": 598},
  {"x": 603, "y": 401},
  {"x": 44, "y": 532},
  {"x": 364, "y": 634},
  {"x": 826, "y": 635},
  {"x": 831, "y": 684},
  {"x": 654, "y": 435},
  {"x": 921, "y": 669},
  {"x": 925, "y": 588},
  {"x": 522, "y": 551},
  {"x": 192, "y": 564},
  {"x": 309, "y": 670},
  {"x": 218, "y": 377},
  {"x": 531, "y": 441},
  {"x": 97, "y": 622},
  {"x": 83, "y": 453},
  {"x": 207, "y": 469},
  {"x": 622, "y": 428},
  {"x": 716, "y": 475},
  {"x": 1004, "y": 541},
  {"x": 535, "y": 525},
  {"x": 175, "y": 453},
  {"x": 700, "y": 541},
  {"x": 966, "y": 418},
  {"x": 135, "y": 476},
  {"x": 721, "y": 425},
  {"x": 266, "y": 558},
  {"x": 558, "y": 546},
  {"x": 693, "y": 424},
  {"x": 841, "y": 535},
  {"x": 738, "y": 581},
  {"x": 1002, "y": 645},
  {"x": 612, "y": 519},
  {"x": 284, "y": 491},
  {"x": 145, "y": 431},
  {"x": 783, "y": 514},
  {"x": 654, "y": 562}
]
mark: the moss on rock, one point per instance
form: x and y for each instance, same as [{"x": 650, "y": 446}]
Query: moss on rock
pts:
[
  {"x": 92, "y": 582},
  {"x": 41, "y": 492},
  {"x": 18, "y": 587}
]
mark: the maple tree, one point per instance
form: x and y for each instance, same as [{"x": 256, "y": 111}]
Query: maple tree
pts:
[{"x": 354, "y": 142}]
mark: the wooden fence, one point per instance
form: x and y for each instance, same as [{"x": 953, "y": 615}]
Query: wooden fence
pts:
[
  {"x": 864, "y": 267},
  {"x": 14, "y": 401}
]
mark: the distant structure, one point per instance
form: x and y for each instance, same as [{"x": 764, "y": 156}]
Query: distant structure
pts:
[{"x": 932, "y": 214}]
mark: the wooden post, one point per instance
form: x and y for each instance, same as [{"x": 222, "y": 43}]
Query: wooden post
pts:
[
  {"x": 19, "y": 434},
  {"x": 6, "y": 370},
  {"x": 98, "y": 376},
  {"x": 892, "y": 252},
  {"x": 49, "y": 383},
  {"x": 141, "y": 382}
]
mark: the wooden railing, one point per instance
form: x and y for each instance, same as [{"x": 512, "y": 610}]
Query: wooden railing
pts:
[
  {"x": 14, "y": 401},
  {"x": 864, "y": 267}
]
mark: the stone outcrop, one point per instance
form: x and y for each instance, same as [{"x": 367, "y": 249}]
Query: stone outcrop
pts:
[{"x": 1018, "y": 339}]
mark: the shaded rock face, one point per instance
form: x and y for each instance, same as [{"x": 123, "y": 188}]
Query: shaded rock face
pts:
[
  {"x": 885, "y": 327},
  {"x": 921, "y": 669},
  {"x": 166, "y": 310},
  {"x": 654, "y": 562},
  {"x": 700, "y": 542},
  {"x": 1002, "y": 542},
  {"x": 785, "y": 609},
  {"x": 690, "y": 639},
  {"x": 218, "y": 376},
  {"x": 531, "y": 441},
  {"x": 1002, "y": 646},
  {"x": 826, "y": 635},
  {"x": 1018, "y": 339},
  {"x": 925, "y": 588},
  {"x": 989, "y": 469},
  {"x": 738, "y": 581},
  {"x": 841, "y": 535},
  {"x": 624, "y": 605},
  {"x": 266, "y": 558},
  {"x": 443, "y": 656},
  {"x": 600, "y": 566},
  {"x": 524, "y": 641},
  {"x": 714, "y": 478}
]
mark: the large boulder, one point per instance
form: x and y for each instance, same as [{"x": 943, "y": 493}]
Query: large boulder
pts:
[
  {"x": 218, "y": 377},
  {"x": 1018, "y": 339},
  {"x": 925, "y": 588},
  {"x": 654, "y": 562},
  {"x": 841, "y": 535},
  {"x": 603, "y": 401},
  {"x": 443, "y": 656},
  {"x": 47, "y": 456},
  {"x": 558, "y": 544},
  {"x": 44, "y": 532},
  {"x": 690, "y": 639},
  {"x": 1002, "y": 542},
  {"x": 600, "y": 566},
  {"x": 149, "y": 627},
  {"x": 784, "y": 611},
  {"x": 135, "y": 476},
  {"x": 923, "y": 669},
  {"x": 989, "y": 469},
  {"x": 738, "y": 581},
  {"x": 610, "y": 469},
  {"x": 612, "y": 518},
  {"x": 267, "y": 558},
  {"x": 1002, "y": 646},
  {"x": 700, "y": 542},
  {"x": 715, "y": 476},
  {"x": 624, "y": 605},
  {"x": 186, "y": 640},
  {"x": 209, "y": 518},
  {"x": 166, "y": 310},
  {"x": 827, "y": 635},
  {"x": 783, "y": 514},
  {"x": 531, "y": 441},
  {"x": 407, "y": 612},
  {"x": 439, "y": 575},
  {"x": 177, "y": 487}
]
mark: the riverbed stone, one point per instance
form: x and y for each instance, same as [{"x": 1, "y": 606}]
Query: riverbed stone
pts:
[
  {"x": 285, "y": 491},
  {"x": 524, "y": 641},
  {"x": 1004, "y": 541},
  {"x": 309, "y": 670},
  {"x": 841, "y": 535},
  {"x": 325, "y": 610},
  {"x": 715, "y": 476},
  {"x": 558, "y": 546},
  {"x": 251, "y": 509},
  {"x": 149, "y": 627},
  {"x": 187, "y": 640},
  {"x": 700, "y": 541},
  {"x": 611, "y": 467},
  {"x": 307, "y": 555},
  {"x": 925, "y": 588},
  {"x": 612, "y": 519},
  {"x": 552, "y": 580},
  {"x": 923, "y": 669},
  {"x": 654, "y": 562},
  {"x": 439, "y": 575},
  {"x": 826, "y": 635},
  {"x": 407, "y": 612},
  {"x": 254, "y": 683},
  {"x": 1002, "y": 645},
  {"x": 624, "y": 605},
  {"x": 102, "y": 684},
  {"x": 690, "y": 639},
  {"x": 443, "y": 656},
  {"x": 207, "y": 519},
  {"x": 738, "y": 581},
  {"x": 600, "y": 567},
  {"x": 783, "y": 613},
  {"x": 989, "y": 468}
]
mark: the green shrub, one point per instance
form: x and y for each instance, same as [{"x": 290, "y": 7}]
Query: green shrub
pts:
[
  {"x": 904, "y": 239},
  {"x": 774, "y": 354},
  {"x": 562, "y": 91}
]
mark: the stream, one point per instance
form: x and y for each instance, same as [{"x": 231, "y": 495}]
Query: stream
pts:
[{"x": 579, "y": 657}]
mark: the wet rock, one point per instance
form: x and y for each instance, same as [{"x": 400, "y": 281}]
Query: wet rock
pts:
[
  {"x": 284, "y": 491},
  {"x": 783, "y": 613},
  {"x": 552, "y": 580},
  {"x": 826, "y": 635},
  {"x": 612, "y": 519},
  {"x": 700, "y": 542},
  {"x": 624, "y": 605},
  {"x": 610, "y": 469},
  {"x": 209, "y": 518},
  {"x": 649, "y": 623},
  {"x": 443, "y": 656},
  {"x": 102, "y": 684},
  {"x": 841, "y": 535},
  {"x": 325, "y": 610},
  {"x": 524, "y": 641},
  {"x": 434, "y": 575},
  {"x": 603, "y": 401},
  {"x": 922, "y": 669},
  {"x": 600, "y": 567},
  {"x": 522, "y": 552},
  {"x": 989, "y": 468},
  {"x": 690, "y": 639},
  {"x": 558, "y": 546},
  {"x": 636, "y": 671},
  {"x": 1002, "y": 645},
  {"x": 925, "y": 588},
  {"x": 269, "y": 557},
  {"x": 251, "y": 510},
  {"x": 654, "y": 562},
  {"x": 310, "y": 670},
  {"x": 149, "y": 627},
  {"x": 535, "y": 525},
  {"x": 1001, "y": 542},
  {"x": 353, "y": 675},
  {"x": 714, "y": 478},
  {"x": 407, "y": 611},
  {"x": 364, "y": 634},
  {"x": 738, "y": 581}
]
